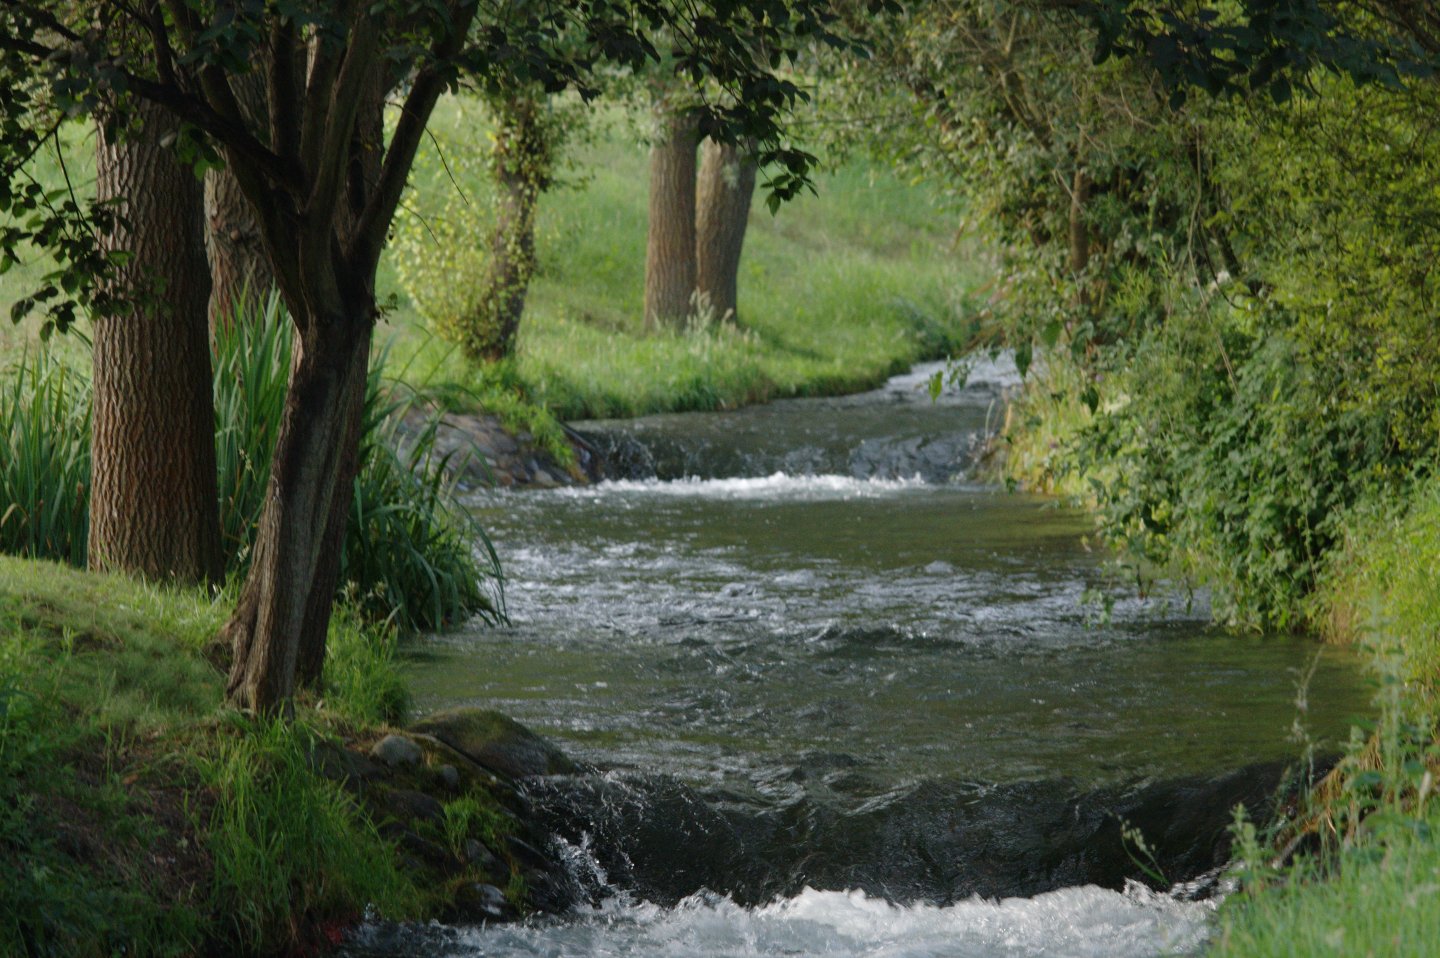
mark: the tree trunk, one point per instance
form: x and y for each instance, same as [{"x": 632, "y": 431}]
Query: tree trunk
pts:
[
  {"x": 670, "y": 245},
  {"x": 521, "y": 166},
  {"x": 154, "y": 505},
  {"x": 296, "y": 532},
  {"x": 727, "y": 182},
  {"x": 239, "y": 265},
  {"x": 314, "y": 629},
  {"x": 359, "y": 317},
  {"x": 365, "y": 152}
]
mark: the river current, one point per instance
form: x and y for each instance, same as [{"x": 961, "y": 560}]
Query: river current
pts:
[{"x": 801, "y": 643}]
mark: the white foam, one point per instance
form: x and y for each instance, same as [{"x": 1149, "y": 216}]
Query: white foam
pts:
[
  {"x": 1086, "y": 922},
  {"x": 778, "y": 485}
]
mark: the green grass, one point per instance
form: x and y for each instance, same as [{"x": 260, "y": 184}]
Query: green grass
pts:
[
  {"x": 1383, "y": 581},
  {"x": 286, "y": 843},
  {"x": 1377, "y": 892},
  {"x": 114, "y": 757},
  {"x": 837, "y": 291},
  {"x": 1382, "y": 899}
]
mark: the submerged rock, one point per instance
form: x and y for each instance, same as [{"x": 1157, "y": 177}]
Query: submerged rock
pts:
[
  {"x": 938, "y": 841},
  {"x": 496, "y": 742}
]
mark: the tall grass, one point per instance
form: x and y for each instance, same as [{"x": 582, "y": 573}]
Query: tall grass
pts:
[
  {"x": 44, "y": 459},
  {"x": 287, "y": 844},
  {"x": 251, "y": 366},
  {"x": 1381, "y": 581},
  {"x": 411, "y": 556}
]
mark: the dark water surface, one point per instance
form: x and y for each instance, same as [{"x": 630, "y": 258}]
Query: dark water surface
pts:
[{"x": 809, "y": 604}]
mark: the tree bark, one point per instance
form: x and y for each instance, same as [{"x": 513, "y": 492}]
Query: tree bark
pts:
[
  {"x": 315, "y": 626},
  {"x": 284, "y": 597},
  {"x": 521, "y": 169},
  {"x": 727, "y": 183},
  {"x": 154, "y": 505},
  {"x": 670, "y": 244},
  {"x": 239, "y": 265}
]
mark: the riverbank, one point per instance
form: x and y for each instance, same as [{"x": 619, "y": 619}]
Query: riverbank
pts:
[
  {"x": 1357, "y": 871},
  {"x": 838, "y": 289},
  {"x": 138, "y": 815}
]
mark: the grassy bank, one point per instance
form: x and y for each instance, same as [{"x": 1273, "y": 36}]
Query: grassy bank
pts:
[
  {"x": 1366, "y": 878},
  {"x": 838, "y": 290},
  {"x": 138, "y": 817},
  {"x": 1377, "y": 892}
]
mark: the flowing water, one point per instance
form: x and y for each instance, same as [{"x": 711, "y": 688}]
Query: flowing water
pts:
[{"x": 839, "y": 691}]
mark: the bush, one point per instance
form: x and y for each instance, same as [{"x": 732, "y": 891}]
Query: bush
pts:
[{"x": 1239, "y": 470}]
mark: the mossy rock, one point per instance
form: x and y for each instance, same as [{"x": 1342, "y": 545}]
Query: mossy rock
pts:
[{"x": 497, "y": 742}]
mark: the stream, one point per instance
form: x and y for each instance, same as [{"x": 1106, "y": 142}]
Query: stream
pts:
[{"x": 842, "y": 699}]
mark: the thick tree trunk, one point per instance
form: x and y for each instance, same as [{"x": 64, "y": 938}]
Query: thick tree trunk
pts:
[
  {"x": 239, "y": 265},
  {"x": 296, "y": 532},
  {"x": 727, "y": 182},
  {"x": 521, "y": 168},
  {"x": 670, "y": 245},
  {"x": 153, "y": 505}
]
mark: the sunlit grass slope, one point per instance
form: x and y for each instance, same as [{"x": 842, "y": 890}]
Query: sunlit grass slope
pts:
[{"x": 837, "y": 290}]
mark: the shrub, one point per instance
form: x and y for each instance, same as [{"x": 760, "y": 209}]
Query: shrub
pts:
[{"x": 1236, "y": 464}]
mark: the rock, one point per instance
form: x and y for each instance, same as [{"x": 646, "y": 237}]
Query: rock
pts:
[
  {"x": 450, "y": 775},
  {"x": 339, "y": 764},
  {"x": 407, "y": 805},
  {"x": 497, "y": 742},
  {"x": 543, "y": 479},
  {"x": 526, "y": 854},
  {"x": 396, "y": 750},
  {"x": 481, "y": 857},
  {"x": 420, "y": 851},
  {"x": 478, "y": 450},
  {"x": 477, "y": 901}
]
